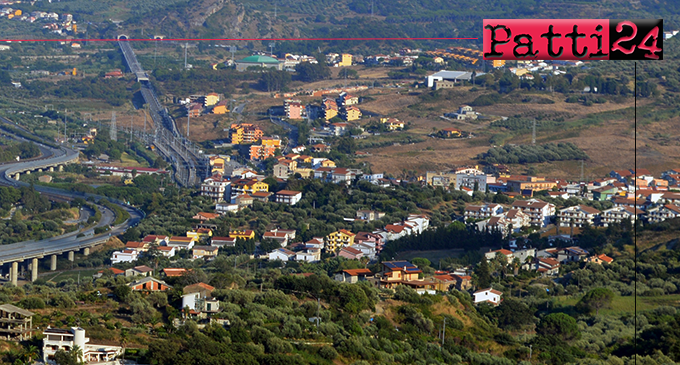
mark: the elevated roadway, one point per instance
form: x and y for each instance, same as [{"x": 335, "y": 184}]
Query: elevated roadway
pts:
[{"x": 69, "y": 243}]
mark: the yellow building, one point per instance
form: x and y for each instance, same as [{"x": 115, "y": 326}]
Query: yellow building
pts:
[
  {"x": 498, "y": 63},
  {"x": 221, "y": 107},
  {"x": 271, "y": 142},
  {"x": 338, "y": 239},
  {"x": 305, "y": 159},
  {"x": 330, "y": 113},
  {"x": 245, "y": 234},
  {"x": 327, "y": 163},
  {"x": 392, "y": 123},
  {"x": 352, "y": 113},
  {"x": 245, "y": 186},
  {"x": 304, "y": 172},
  {"x": 345, "y": 60},
  {"x": 211, "y": 99},
  {"x": 18, "y": 13},
  {"x": 200, "y": 234}
]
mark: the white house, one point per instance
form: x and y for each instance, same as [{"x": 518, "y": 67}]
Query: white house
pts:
[
  {"x": 195, "y": 297},
  {"x": 281, "y": 254},
  {"x": 489, "y": 295},
  {"x": 538, "y": 211},
  {"x": 308, "y": 255},
  {"x": 167, "y": 251},
  {"x": 224, "y": 208},
  {"x": 55, "y": 339},
  {"x": 288, "y": 197},
  {"x": 126, "y": 255}
]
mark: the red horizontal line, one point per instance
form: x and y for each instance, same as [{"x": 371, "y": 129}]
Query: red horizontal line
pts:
[{"x": 238, "y": 39}]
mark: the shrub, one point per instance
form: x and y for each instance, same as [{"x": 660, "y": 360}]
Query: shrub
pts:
[
  {"x": 328, "y": 353},
  {"x": 32, "y": 303}
]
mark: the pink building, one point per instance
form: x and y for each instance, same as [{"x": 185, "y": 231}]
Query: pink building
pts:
[{"x": 294, "y": 109}]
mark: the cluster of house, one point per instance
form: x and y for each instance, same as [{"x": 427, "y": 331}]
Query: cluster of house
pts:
[
  {"x": 198, "y": 105},
  {"x": 343, "y": 105},
  {"x": 200, "y": 241},
  {"x": 547, "y": 261},
  {"x": 395, "y": 273},
  {"x": 249, "y": 134},
  {"x": 242, "y": 189},
  {"x": 353, "y": 246},
  {"x": 635, "y": 194},
  {"x": 55, "y": 23}
]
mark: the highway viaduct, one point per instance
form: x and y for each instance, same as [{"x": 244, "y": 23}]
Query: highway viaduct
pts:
[{"x": 31, "y": 251}]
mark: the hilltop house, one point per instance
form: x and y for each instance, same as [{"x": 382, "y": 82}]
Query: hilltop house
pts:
[{"x": 491, "y": 296}]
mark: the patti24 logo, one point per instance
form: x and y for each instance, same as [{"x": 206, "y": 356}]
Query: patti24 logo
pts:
[{"x": 573, "y": 39}]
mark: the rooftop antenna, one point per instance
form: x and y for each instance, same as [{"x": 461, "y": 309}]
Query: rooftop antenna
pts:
[{"x": 113, "y": 132}]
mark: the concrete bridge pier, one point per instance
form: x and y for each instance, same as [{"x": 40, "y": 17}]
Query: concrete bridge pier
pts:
[
  {"x": 61, "y": 168},
  {"x": 86, "y": 251},
  {"x": 14, "y": 274},
  {"x": 28, "y": 172},
  {"x": 34, "y": 269},
  {"x": 71, "y": 256},
  {"x": 53, "y": 263},
  {"x": 17, "y": 176},
  {"x": 51, "y": 169},
  {"x": 39, "y": 170}
]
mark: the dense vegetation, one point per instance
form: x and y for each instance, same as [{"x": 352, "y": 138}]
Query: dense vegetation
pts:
[
  {"x": 10, "y": 151},
  {"x": 113, "y": 91},
  {"x": 512, "y": 154}
]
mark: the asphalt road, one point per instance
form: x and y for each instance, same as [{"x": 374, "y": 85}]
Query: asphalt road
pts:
[{"x": 292, "y": 133}]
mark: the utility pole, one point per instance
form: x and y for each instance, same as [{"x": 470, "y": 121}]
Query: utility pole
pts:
[
  {"x": 132, "y": 117},
  {"x": 530, "y": 352},
  {"x": 186, "y": 47},
  {"x": 188, "y": 120},
  {"x": 582, "y": 170},
  {"x": 112, "y": 132},
  {"x": 318, "y": 319},
  {"x": 271, "y": 47},
  {"x": 444, "y": 332},
  {"x": 232, "y": 49},
  {"x": 275, "y": 8},
  {"x": 372, "y": 1},
  {"x": 533, "y": 133}
]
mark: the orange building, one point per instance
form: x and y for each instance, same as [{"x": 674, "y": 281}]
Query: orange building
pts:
[
  {"x": 266, "y": 149},
  {"x": 149, "y": 284}
]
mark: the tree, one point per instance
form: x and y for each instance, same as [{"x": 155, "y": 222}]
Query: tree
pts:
[
  {"x": 274, "y": 80},
  {"x": 309, "y": 72},
  {"x": 482, "y": 275},
  {"x": 73, "y": 357},
  {"x": 513, "y": 314},
  {"x": 558, "y": 327},
  {"x": 594, "y": 300},
  {"x": 421, "y": 262}
]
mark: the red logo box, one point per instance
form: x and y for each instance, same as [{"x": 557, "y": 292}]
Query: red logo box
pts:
[{"x": 572, "y": 39}]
